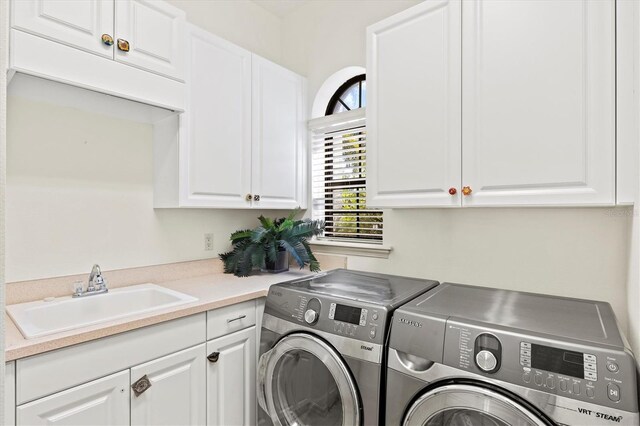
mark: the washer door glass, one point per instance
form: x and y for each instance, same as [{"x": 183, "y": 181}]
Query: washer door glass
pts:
[
  {"x": 305, "y": 382},
  {"x": 468, "y": 405}
]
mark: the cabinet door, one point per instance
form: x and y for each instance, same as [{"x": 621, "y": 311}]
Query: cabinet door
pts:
[
  {"x": 538, "y": 102},
  {"x": 216, "y": 128},
  {"x": 177, "y": 392},
  {"x": 101, "y": 402},
  {"x": 155, "y": 34},
  {"x": 231, "y": 379},
  {"x": 9, "y": 394},
  {"x": 278, "y": 166},
  {"x": 75, "y": 23},
  {"x": 413, "y": 107}
]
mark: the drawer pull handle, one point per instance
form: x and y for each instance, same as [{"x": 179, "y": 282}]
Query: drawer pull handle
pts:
[
  {"x": 229, "y": 321},
  {"x": 213, "y": 356},
  {"x": 141, "y": 385}
]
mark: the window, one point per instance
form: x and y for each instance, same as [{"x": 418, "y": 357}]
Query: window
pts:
[
  {"x": 351, "y": 95},
  {"x": 339, "y": 169}
]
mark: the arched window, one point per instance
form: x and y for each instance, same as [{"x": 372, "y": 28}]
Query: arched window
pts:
[
  {"x": 339, "y": 186},
  {"x": 351, "y": 95}
]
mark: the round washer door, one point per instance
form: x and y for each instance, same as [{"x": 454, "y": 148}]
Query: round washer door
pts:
[
  {"x": 462, "y": 405},
  {"x": 304, "y": 381}
]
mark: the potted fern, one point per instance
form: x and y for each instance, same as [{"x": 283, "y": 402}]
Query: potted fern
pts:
[{"x": 269, "y": 246}]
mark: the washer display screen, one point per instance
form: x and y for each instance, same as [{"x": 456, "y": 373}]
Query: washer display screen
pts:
[
  {"x": 559, "y": 361},
  {"x": 347, "y": 314}
]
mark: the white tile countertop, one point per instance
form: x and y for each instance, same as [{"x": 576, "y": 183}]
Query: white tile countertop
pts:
[{"x": 214, "y": 290}]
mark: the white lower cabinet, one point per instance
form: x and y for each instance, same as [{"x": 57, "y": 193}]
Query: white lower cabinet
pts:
[
  {"x": 231, "y": 379},
  {"x": 174, "y": 391},
  {"x": 101, "y": 402},
  {"x": 167, "y": 374},
  {"x": 9, "y": 394}
]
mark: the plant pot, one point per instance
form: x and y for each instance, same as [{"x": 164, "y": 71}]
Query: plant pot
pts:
[{"x": 280, "y": 265}]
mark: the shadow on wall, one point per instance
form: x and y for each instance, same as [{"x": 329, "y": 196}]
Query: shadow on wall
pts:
[
  {"x": 80, "y": 191},
  {"x": 573, "y": 252}
]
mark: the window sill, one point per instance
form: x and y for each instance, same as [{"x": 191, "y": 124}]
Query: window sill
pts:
[{"x": 350, "y": 249}]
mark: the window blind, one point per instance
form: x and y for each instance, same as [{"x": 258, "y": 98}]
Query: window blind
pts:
[{"x": 339, "y": 165}]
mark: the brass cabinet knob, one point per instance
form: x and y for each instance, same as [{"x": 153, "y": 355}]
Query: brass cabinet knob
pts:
[
  {"x": 453, "y": 191},
  {"x": 107, "y": 39},
  {"x": 248, "y": 197},
  {"x": 123, "y": 45},
  {"x": 256, "y": 198},
  {"x": 466, "y": 190}
]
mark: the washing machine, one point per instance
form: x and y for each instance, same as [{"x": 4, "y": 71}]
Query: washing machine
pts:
[
  {"x": 322, "y": 347},
  {"x": 463, "y": 355}
]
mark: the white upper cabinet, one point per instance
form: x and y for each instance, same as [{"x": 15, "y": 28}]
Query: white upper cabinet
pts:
[
  {"x": 79, "y": 24},
  {"x": 84, "y": 43},
  {"x": 413, "y": 107},
  {"x": 527, "y": 118},
  {"x": 241, "y": 141},
  {"x": 538, "y": 102},
  {"x": 278, "y": 126},
  {"x": 216, "y": 131},
  {"x": 150, "y": 35}
]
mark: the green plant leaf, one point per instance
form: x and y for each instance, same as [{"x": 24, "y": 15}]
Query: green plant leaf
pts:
[
  {"x": 266, "y": 222},
  {"x": 240, "y": 235},
  {"x": 254, "y": 248}
]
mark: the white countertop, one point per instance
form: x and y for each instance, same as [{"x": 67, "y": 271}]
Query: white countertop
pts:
[{"x": 213, "y": 291}]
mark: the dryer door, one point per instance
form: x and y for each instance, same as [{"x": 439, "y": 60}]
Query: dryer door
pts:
[
  {"x": 304, "y": 381},
  {"x": 464, "y": 404}
]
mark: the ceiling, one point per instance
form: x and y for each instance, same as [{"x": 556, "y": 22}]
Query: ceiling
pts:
[{"x": 280, "y": 7}]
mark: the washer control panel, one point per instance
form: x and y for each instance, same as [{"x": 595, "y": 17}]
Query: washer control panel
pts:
[
  {"x": 361, "y": 321},
  {"x": 582, "y": 372},
  {"x": 566, "y": 371},
  {"x": 348, "y": 319}
]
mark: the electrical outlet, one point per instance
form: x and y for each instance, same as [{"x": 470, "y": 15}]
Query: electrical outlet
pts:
[{"x": 208, "y": 242}]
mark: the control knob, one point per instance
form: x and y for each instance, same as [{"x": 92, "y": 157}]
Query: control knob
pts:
[
  {"x": 311, "y": 316},
  {"x": 486, "y": 360}
]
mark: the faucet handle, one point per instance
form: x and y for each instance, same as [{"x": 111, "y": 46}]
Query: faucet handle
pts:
[
  {"x": 78, "y": 287},
  {"x": 101, "y": 282}
]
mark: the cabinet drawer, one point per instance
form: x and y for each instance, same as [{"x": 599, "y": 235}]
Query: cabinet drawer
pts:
[{"x": 230, "y": 318}]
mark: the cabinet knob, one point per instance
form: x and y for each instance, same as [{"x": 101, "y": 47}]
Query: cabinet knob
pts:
[
  {"x": 453, "y": 191},
  {"x": 107, "y": 39},
  {"x": 141, "y": 385},
  {"x": 248, "y": 197},
  {"x": 466, "y": 190},
  {"x": 123, "y": 45},
  {"x": 213, "y": 356},
  {"x": 256, "y": 198}
]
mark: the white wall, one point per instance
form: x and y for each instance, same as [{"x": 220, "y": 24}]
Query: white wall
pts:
[
  {"x": 80, "y": 186},
  {"x": 577, "y": 252},
  {"x": 239, "y": 21},
  {"x": 322, "y": 37},
  {"x": 80, "y": 191},
  {"x": 4, "y": 46}
]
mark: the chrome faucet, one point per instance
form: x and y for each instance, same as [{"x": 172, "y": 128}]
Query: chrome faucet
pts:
[{"x": 97, "y": 284}]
